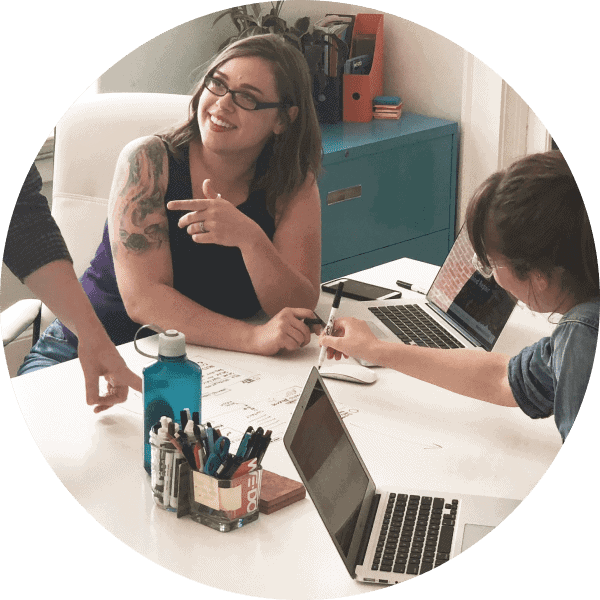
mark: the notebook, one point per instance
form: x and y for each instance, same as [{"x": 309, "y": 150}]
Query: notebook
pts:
[
  {"x": 382, "y": 536},
  {"x": 461, "y": 309}
]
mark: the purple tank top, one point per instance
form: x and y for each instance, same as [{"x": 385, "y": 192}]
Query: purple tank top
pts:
[{"x": 213, "y": 276}]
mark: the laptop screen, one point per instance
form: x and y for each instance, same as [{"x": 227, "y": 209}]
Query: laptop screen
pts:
[
  {"x": 330, "y": 467},
  {"x": 479, "y": 305}
]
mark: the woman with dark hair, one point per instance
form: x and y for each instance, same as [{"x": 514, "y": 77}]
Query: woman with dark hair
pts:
[
  {"x": 531, "y": 232},
  {"x": 217, "y": 218}
]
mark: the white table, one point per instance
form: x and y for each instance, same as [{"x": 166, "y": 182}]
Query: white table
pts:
[{"x": 441, "y": 441}]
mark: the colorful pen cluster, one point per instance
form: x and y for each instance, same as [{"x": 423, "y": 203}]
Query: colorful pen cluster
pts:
[{"x": 205, "y": 450}]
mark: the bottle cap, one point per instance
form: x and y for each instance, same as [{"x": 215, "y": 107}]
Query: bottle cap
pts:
[{"x": 171, "y": 343}]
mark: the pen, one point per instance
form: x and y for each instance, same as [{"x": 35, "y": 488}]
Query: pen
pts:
[
  {"x": 251, "y": 447},
  {"x": 411, "y": 286},
  {"x": 316, "y": 321},
  {"x": 329, "y": 326},
  {"x": 266, "y": 440},
  {"x": 241, "y": 451},
  {"x": 184, "y": 417}
]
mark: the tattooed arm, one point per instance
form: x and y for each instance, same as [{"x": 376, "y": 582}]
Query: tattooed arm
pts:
[{"x": 139, "y": 237}]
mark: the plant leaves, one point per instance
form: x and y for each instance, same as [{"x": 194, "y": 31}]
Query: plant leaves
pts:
[
  {"x": 256, "y": 9},
  {"x": 302, "y": 24},
  {"x": 276, "y": 22}
]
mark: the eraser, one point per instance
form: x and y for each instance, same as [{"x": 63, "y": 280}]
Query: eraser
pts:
[{"x": 277, "y": 492}]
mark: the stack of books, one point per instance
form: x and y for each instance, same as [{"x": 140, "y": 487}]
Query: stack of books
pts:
[{"x": 387, "y": 107}]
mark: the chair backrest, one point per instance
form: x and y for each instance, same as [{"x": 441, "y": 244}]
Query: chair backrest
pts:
[{"x": 88, "y": 141}]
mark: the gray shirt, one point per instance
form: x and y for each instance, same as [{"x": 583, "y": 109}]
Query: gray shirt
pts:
[{"x": 33, "y": 239}]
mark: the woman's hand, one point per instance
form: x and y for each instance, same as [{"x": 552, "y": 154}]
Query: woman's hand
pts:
[
  {"x": 285, "y": 331},
  {"x": 213, "y": 220},
  {"x": 351, "y": 337}
]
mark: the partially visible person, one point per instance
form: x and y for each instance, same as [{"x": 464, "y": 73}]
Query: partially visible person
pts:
[
  {"x": 37, "y": 255},
  {"x": 218, "y": 218},
  {"x": 531, "y": 232}
]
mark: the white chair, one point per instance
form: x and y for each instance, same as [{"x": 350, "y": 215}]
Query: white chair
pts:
[{"x": 88, "y": 140}]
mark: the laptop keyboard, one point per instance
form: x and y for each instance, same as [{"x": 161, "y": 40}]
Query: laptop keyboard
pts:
[
  {"x": 413, "y": 326},
  {"x": 416, "y": 534}
]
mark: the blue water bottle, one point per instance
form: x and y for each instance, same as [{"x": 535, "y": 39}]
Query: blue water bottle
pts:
[{"x": 169, "y": 385}]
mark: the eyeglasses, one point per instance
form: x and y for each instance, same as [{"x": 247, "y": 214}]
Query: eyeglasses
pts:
[
  {"x": 241, "y": 99},
  {"x": 487, "y": 272}
]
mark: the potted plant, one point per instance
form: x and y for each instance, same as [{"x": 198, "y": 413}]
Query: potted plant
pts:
[
  {"x": 315, "y": 45},
  {"x": 250, "y": 20}
]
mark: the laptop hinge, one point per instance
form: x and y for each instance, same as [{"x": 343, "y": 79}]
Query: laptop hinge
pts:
[
  {"x": 454, "y": 325},
  {"x": 362, "y": 550}
]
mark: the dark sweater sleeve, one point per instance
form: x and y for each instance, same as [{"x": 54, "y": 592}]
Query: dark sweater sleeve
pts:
[{"x": 33, "y": 238}]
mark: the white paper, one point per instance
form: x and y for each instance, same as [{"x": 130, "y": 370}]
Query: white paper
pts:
[{"x": 234, "y": 399}]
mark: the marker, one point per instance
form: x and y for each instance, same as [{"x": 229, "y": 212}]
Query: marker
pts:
[
  {"x": 177, "y": 460},
  {"x": 187, "y": 449},
  {"x": 264, "y": 445},
  {"x": 412, "y": 287},
  {"x": 329, "y": 326}
]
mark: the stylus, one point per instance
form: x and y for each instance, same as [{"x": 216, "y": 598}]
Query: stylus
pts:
[{"x": 329, "y": 326}]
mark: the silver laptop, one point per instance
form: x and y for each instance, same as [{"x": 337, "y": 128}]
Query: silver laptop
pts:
[
  {"x": 382, "y": 536},
  {"x": 461, "y": 309}
]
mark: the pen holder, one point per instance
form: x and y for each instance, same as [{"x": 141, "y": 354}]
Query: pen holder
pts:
[
  {"x": 225, "y": 504},
  {"x": 164, "y": 475}
]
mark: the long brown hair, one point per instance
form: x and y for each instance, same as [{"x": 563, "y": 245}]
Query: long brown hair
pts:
[
  {"x": 537, "y": 212},
  {"x": 287, "y": 159}
]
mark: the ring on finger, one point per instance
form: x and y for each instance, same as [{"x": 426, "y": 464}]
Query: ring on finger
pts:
[{"x": 201, "y": 227}]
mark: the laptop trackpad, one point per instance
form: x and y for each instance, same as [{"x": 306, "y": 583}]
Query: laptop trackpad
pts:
[
  {"x": 378, "y": 332},
  {"x": 473, "y": 533}
]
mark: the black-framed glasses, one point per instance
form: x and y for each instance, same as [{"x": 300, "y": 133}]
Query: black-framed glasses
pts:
[{"x": 241, "y": 99}]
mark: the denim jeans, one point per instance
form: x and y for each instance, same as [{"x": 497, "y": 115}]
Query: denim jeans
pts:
[{"x": 51, "y": 349}]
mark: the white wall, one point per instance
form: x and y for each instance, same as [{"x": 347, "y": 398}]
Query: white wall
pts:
[
  {"x": 479, "y": 126},
  {"x": 168, "y": 62},
  {"x": 422, "y": 67}
]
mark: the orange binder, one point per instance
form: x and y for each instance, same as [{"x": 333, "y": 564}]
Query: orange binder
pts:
[{"x": 360, "y": 90}]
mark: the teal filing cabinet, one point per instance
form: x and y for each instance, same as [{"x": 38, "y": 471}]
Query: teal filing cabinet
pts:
[{"x": 388, "y": 191}]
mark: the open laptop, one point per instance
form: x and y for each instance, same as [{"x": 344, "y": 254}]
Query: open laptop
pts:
[
  {"x": 462, "y": 309},
  {"x": 382, "y": 536}
]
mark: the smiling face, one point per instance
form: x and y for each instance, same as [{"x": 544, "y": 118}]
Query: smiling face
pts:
[{"x": 224, "y": 126}]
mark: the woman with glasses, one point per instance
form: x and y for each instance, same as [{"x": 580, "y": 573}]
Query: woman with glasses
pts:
[
  {"x": 217, "y": 218},
  {"x": 531, "y": 232}
]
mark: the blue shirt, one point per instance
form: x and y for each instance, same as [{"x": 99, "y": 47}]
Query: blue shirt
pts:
[{"x": 551, "y": 376}]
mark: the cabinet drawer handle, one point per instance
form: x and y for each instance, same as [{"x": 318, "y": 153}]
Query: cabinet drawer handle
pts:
[{"x": 345, "y": 194}]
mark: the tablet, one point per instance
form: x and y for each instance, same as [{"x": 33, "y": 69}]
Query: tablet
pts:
[{"x": 357, "y": 290}]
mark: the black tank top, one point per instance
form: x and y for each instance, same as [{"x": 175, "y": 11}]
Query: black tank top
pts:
[{"x": 211, "y": 275}]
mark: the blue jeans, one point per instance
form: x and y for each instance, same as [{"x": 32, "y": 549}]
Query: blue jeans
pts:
[{"x": 51, "y": 349}]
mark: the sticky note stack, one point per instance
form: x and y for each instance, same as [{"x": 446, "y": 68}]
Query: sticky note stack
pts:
[{"x": 387, "y": 107}]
